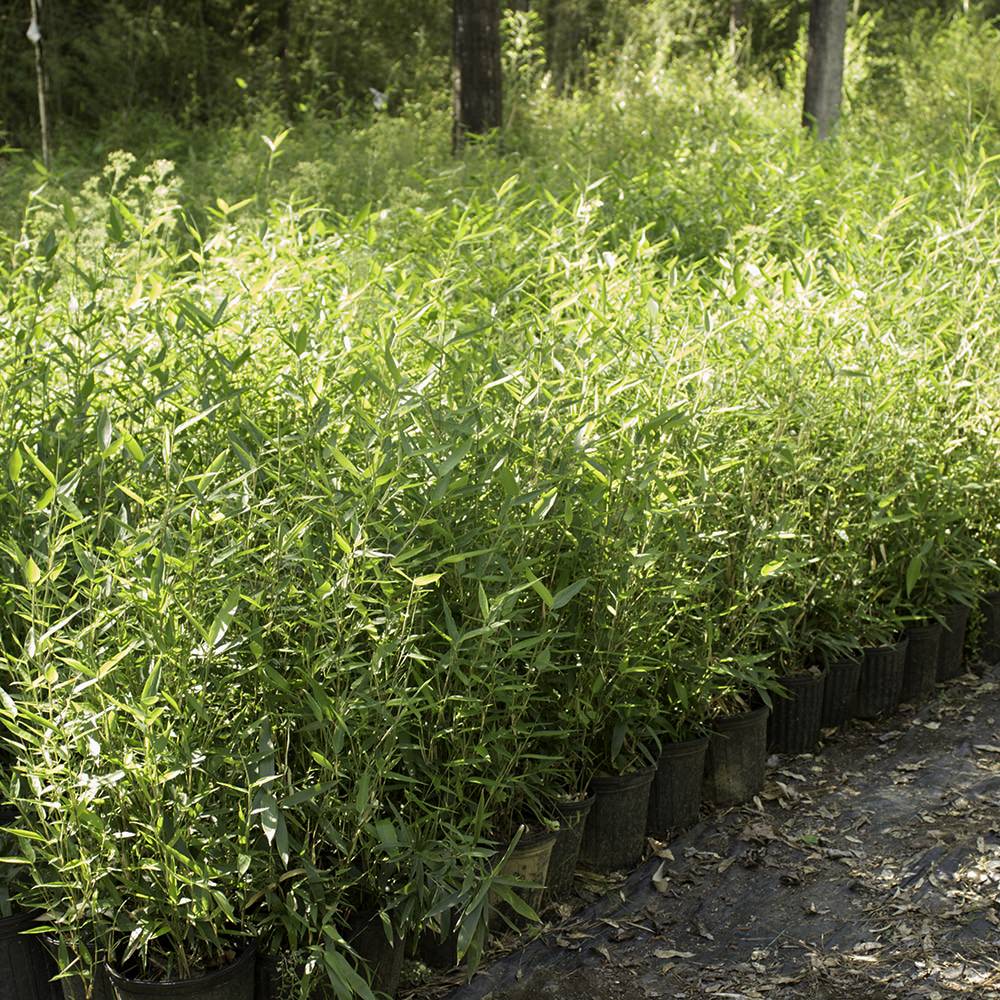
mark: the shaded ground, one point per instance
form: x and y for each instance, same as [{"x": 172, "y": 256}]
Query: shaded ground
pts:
[{"x": 869, "y": 870}]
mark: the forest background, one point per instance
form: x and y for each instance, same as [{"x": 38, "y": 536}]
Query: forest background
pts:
[{"x": 177, "y": 78}]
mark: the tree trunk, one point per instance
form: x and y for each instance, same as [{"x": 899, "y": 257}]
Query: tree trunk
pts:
[
  {"x": 284, "y": 27},
  {"x": 825, "y": 67},
  {"x": 737, "y": 16},
  {"x": 476, "y": 86},
  {"x": 737, "y": 24},
  {"x": 35, "y": 37}
]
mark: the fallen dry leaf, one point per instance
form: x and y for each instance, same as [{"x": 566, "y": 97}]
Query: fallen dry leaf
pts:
[
  {"x": 661, "y": 882},
  {"x": 666, "y": 953}
]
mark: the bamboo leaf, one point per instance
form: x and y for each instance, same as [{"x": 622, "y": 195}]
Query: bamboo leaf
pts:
[
  {"x": 224, "y": 618},
  {"x": 564, "y": 596},
  {"x": 539, "y": 588},
  {"x": 14, "y": 464}
]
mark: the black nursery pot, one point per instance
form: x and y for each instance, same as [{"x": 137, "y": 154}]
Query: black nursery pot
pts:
[
  {"x": 675, "y": 795},
  {"x": 923, "y": 645},
  {"x": 737, "y": 753},
  {"x": 236, "y": 981},
  {"x": 72, "y": 987},
  {"x": 956, "y": 619},
  {"x": 881, "y": 680},
  {"x": 439, "y": 950},
  {"x": 26, "y": 968},
  {"x": 794, "y": 723},
  {"x": 615, "y": 832},
  {"x": 566, "y": 850},
  {"x": 989, "y": 649},
  {"x": 840, "y": 688},
  {"x": 267, "y": 977},
  {"x": 384, "y": 958}
]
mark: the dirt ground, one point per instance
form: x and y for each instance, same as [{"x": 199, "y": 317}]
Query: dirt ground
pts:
[{"x": 869, "y": 870}]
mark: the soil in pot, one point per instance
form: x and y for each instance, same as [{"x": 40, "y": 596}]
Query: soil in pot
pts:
[
  {"x": 793, "y": 726},
  {"x": 737, "y": 753},
  {"x": 236, "y": 981},
  {"x": 956, "y": 619},
  {"x": 566, "y": 849},
  {"x": 675, "y": 795},
  {"x": 989, "y": 647},
  {"x": 383, "y": 957},
  {"x": 881, "y": 680},
  {"x": 923, "y": 643},
  {"x": 614, "y": 835},
  {"x": 26, "y": 967},
  {"x": 840, "y": 687}
]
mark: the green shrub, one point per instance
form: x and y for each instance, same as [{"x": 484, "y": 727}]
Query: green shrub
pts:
[{"x": 360, "y": 509}]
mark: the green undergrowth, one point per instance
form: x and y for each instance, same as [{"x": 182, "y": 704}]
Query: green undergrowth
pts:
[{"x": 359, "y": 503}]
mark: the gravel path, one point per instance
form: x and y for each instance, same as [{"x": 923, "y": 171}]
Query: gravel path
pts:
[{"x": 871, "y": 869}]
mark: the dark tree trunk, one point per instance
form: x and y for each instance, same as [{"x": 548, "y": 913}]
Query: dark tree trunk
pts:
[
  {"x": 476, "y": 86},
  {"x": 737, "y": 16},
  {"x": 570, "y": 27},
  {"x": 825, "y": 67},
  {"x": 737, "y": 23},
  {"x": 284, "y": 26}
]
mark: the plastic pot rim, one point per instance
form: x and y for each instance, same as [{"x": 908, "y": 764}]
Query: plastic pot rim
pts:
[
  {"x": 922, "y": 629},
  {"x": 607, "y": 783},
  {"x": 805, "y": 679},
  {"x": 153, "y": 987},
  {"x": 843, "y": 660},
  {"x": 727, "y": 723},
  {"x": 957, "y": 610},
  {"x": 895, "y": 647},
  {"x": 534, "y": 840},
  {"x": 11, "y": 926},
  {"x": 573, "y": 809},
  {"x": 686, "y": 748}
]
